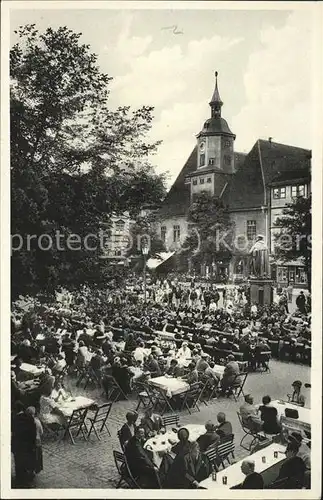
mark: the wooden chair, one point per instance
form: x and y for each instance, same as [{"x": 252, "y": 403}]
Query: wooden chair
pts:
[
  {"x": 160, "y": 400},
  {"x": 77, "y": 422},
  {"x": 191, "y": 397},
  {"x": 224, "y": 449},
  {"x": 124, "y": 471},
  {"x": 100, "y": 417},
  {"x": 143, "y": 395},
  {"x": 113, "y": 391},
  {"x": 238, "y": 385},
  {"x": 212, "y": 454},
  {"x": 169, "y": 420}
]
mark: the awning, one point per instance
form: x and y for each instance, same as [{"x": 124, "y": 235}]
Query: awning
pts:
[
  {"x": 298, "y": 262},
  {"x": 155, "y": 262}
]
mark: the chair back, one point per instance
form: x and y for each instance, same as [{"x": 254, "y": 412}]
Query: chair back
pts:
[
  {"x": 119, "y": 460},
  {"x": 103, "y": 412},
  {"x": 77, "y": 418},
  {"x": 291, "y": 413},
  {"x": 244, "y": 427},
  {"x": 170, "y": 420},
  {"x": 120, "y": 440},
  {"x": 225, "y": 447},
  {"x": 212, "y": 452}
]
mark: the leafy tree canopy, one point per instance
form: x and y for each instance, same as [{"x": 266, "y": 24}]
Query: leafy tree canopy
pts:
[{"x": 74, "y": 160}]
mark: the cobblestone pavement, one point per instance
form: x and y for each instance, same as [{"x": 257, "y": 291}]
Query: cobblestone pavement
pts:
[{"x": 90, "y": 464}]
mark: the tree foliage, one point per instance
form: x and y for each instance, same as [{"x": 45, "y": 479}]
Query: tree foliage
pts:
[
  {"x": 209, "y": 221},
  {"x": 74, "y": 160},
  {"x": 294, "y": 232}
]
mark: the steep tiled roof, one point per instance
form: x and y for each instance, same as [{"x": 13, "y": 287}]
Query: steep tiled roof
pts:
[
  {"x": 177, "y": 200},
  {"x": 296, "y": 176},
  {"x": 265, "y": 162}
]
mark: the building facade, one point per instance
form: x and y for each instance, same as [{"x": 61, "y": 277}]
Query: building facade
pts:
[{"x": 255, "y": 187}]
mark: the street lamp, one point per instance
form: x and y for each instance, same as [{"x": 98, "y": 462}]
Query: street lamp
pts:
[{"x": 145, "y": 253}]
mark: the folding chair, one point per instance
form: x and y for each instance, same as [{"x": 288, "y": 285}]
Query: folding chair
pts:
[
  {"x": 114, "y": 390},
  {"x": 100, "y": 417},
  {"x": 192, "y": 396},
  {"x": 261, "y": 445},
  {"x": 224, "y": 449},
  {"x": 256, "y": 436},
  {"x": 77, "y": 422},
  {"x": 237, "y": 390},
  {"x": 124, "y": 471},
  {"x": 170, "y": 420},
  {"x": 160, "y": 400},
  {"x": 144, "y": 396}
]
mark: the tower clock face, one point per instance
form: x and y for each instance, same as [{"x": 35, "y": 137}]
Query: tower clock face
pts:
[{"x": 202, "y": 146}]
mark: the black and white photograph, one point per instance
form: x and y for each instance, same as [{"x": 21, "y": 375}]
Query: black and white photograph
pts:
[{"x": 161, "y": 315}]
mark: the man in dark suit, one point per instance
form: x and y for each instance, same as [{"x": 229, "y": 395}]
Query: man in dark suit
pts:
[
  {"x": 139, "y": 462},
  {"x": 253, "y": 480},
  {"x": 174, "y": 370},
  {"x": 210, "y": 437},
  {"x": 224, "y": 428},
  {"x": 293, "y": 469}
]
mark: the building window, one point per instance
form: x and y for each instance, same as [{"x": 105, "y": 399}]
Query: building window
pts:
[
  {"x": 282, "y": 274},
  {"x": 251, "y": 229},
  {"x": 227, "y": 144},
  {"x": 201, "y": 180},
  {"x": 119, "y": 225},
  {"x": 176, "y": 232},
  {"x": 279, "y": 193},
  {"x": 209, "y": 180},
  {"x": 300, "y": 275},
  {"x": 202, "y": 160},
  {"x": 298, "y": 190},
  {"x": 163, "y": 231},
  {"x": 194, "y": 182},
  {"x": 211, "y": 161},
  {"x": 227, "y": 159}
]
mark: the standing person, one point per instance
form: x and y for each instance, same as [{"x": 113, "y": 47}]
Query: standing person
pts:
[
  {"x": 128, "y": 429},
  {"x": 23, "y": 446},
  {"x": 300, "y": 302},
  {"x": 290, "y": 292},
  {"x": 284, "y": 302},
  {"x": 193, "y": 297},
  {"x": 224, "y": 295},
  {"x": 216, "y": 296},
  {"x": 31, "y": 410}
]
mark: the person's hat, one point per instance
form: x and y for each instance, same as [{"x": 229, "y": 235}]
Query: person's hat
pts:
[
  {"x": 297, "y": 383},
  {"x": 185, "y": 343},
  {"x": 231, "y": 357}
]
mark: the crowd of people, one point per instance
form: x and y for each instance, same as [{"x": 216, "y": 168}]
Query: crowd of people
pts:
[{"x": 119, "y": 334}]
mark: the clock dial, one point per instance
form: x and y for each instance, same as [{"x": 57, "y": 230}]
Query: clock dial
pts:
[{"x": 202, "y": 145}]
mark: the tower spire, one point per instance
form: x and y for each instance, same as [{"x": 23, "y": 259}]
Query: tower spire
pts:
[{"x": 216, "y": 103}]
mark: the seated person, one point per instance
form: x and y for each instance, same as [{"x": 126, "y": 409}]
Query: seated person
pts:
[
  {"x": 253, "y": 480},
  {"x": 224, "y": 428},
  {"x": 174, "y": 369},
  {"x": 189, "y": 469},
  {"x": 184, "y": 351},
  {"x": 128, "y": 429},
  {"x": 297, "y": 397},
  {"x": 140, "y": 464},
  {"x": 151, "y": 422},
  {"x": 192, "y": 375},
  {"x": 249, "y": 414},
  {"x": 269, "y": 417},
  {"x": 182, "y": 446},
  {"x": 60, "y": 364},
  {"x": 209, "y": 374},
  {"x": 49, "y": 412},
  {"x": 58, "y": 392},
  {"x": 293, "y": 469},
  {"x": 230, "y": 374},
  {"x": 304, "y": 451},
  {"x": 210, "y": 437},
  {"x": 17, "y": 392},
  {"x": 151, "y": 365}
]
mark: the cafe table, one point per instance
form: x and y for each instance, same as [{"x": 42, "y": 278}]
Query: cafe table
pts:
[
  {"x": 68, "y": 406},
  {"x": 171, "y": 385},
  {"x": 304, "y": 414},
  {"x": 162, "y": 443},
  {"x": 33, "y": 370},
  {"x": 264, "y": 459},
  {"x": 219, "y": 370}
]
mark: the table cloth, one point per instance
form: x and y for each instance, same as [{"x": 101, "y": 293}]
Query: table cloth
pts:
[
  {"x": 67, "y": 407},
  {"x": 170, "y": 385},
  {"x": 234, "y": 474}
]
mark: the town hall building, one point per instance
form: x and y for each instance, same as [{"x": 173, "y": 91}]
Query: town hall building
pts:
[{"x": 255, "y": 187}]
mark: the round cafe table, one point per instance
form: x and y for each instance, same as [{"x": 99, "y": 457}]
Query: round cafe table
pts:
[{"x": 162, "y": 443}]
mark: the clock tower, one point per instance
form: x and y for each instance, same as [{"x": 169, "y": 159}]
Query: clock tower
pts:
[{"x": 215, "y": 150}]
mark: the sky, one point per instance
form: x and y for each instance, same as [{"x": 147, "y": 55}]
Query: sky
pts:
[{"x": 263, "y": 57}]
